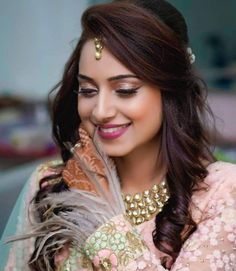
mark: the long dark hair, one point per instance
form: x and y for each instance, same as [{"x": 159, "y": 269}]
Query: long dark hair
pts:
[{"x": 150, "y": 38}]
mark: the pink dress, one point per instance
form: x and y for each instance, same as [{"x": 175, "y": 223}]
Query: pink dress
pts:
[
  {"x": 211, "y": 247},
  {"x": 117, "y": 245}
]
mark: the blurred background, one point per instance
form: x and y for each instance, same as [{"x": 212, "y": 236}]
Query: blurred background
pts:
[{"x": 37, "y": 38}]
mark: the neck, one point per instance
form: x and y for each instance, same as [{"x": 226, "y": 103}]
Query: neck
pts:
[{"x": 140, "y": 169}]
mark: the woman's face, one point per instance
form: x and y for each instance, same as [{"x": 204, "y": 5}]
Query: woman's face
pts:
[{"x": 126, "y": 110}]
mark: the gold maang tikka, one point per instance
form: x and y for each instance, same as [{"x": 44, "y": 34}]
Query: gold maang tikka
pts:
[{"x": 98, "y": 48}]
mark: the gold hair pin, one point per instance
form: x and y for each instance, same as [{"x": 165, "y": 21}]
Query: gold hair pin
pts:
[{"x": 98, "y": 48}]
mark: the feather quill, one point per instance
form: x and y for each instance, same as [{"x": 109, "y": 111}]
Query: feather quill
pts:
[
  {"x": 72, "y": 216},
  {"x": 112, "y": 177}
]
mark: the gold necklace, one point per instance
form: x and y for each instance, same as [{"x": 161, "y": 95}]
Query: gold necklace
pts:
[{"x": 143, "y": 206}]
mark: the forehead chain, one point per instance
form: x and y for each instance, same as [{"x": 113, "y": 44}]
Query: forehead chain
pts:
[{"x": 98, "y": 48}]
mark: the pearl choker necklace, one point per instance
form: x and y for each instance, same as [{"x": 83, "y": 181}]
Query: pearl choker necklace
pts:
[{"x": 143, "y": 206}]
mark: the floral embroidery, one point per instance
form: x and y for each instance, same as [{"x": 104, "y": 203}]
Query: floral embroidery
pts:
[
  {"x": 76, "y": 260},
  {"x": 106, "y": 260},
  {"x": 114, "y": 243},
  {"x": 229, "y": 217},
  {"x": 219, "y": 261}
]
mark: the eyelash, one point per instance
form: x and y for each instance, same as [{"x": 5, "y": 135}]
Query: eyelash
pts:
[
  {"x": 127, "y": 92},
  {"x": 89, "y": 92},
  {"x": 86, "y": 92}
]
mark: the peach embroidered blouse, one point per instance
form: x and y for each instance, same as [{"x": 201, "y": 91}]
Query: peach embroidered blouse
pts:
[{"x": 117, "y": 245}]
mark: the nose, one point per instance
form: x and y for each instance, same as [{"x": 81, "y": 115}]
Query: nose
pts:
[{"x": 104, "y": 109}]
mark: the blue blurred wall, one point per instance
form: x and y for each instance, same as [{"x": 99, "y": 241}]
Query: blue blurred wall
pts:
[{"x": 36, "y": 40}]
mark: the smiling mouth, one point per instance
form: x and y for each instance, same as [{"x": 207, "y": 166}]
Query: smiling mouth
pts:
[{"x": 112, "y": 129}]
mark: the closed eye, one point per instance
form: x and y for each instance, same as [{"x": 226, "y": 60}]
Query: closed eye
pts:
[
  {"x": 87, "y": 92},
  {"x": 127, "y": 92},
  {"x": 123, "y": 92}
]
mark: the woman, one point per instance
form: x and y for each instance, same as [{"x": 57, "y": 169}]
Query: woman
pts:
[{"x": 138, "y": 188}]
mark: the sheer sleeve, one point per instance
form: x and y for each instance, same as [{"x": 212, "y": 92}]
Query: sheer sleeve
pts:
[{"x": 213, "y": 245}]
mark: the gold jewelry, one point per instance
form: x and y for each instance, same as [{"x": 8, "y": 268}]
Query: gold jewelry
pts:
[
  {"x": 143, "y": 206},
  {"x": 98, "y": 48}
]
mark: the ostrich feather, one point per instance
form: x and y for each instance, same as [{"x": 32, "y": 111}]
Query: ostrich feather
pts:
[
  {"x": 71, "y": 216},
  {"x": 112, "y": 177}
]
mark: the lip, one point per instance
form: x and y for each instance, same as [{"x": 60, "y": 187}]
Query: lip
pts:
[
  {"x": 105, "y": 126},
  {"x": 113, "y": 134}
]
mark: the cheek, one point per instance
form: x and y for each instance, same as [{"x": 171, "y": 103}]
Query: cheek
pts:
[
  {"x": 148, "y": 120},
  {"x": 84, "y": 108},
  {"x": 146, "y": 110}
]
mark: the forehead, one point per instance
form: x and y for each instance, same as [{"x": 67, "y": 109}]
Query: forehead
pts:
[{"x": 107, "y": 66}]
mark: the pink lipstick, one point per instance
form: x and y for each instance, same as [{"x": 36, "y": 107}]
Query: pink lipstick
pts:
[{"x": 112, "y": 131}]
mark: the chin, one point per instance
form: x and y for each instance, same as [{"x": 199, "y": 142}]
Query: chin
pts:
[{"x": 115, "y": 152}]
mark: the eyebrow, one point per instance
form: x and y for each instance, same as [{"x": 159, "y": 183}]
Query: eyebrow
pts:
[{"x": 113, "y": 78}]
